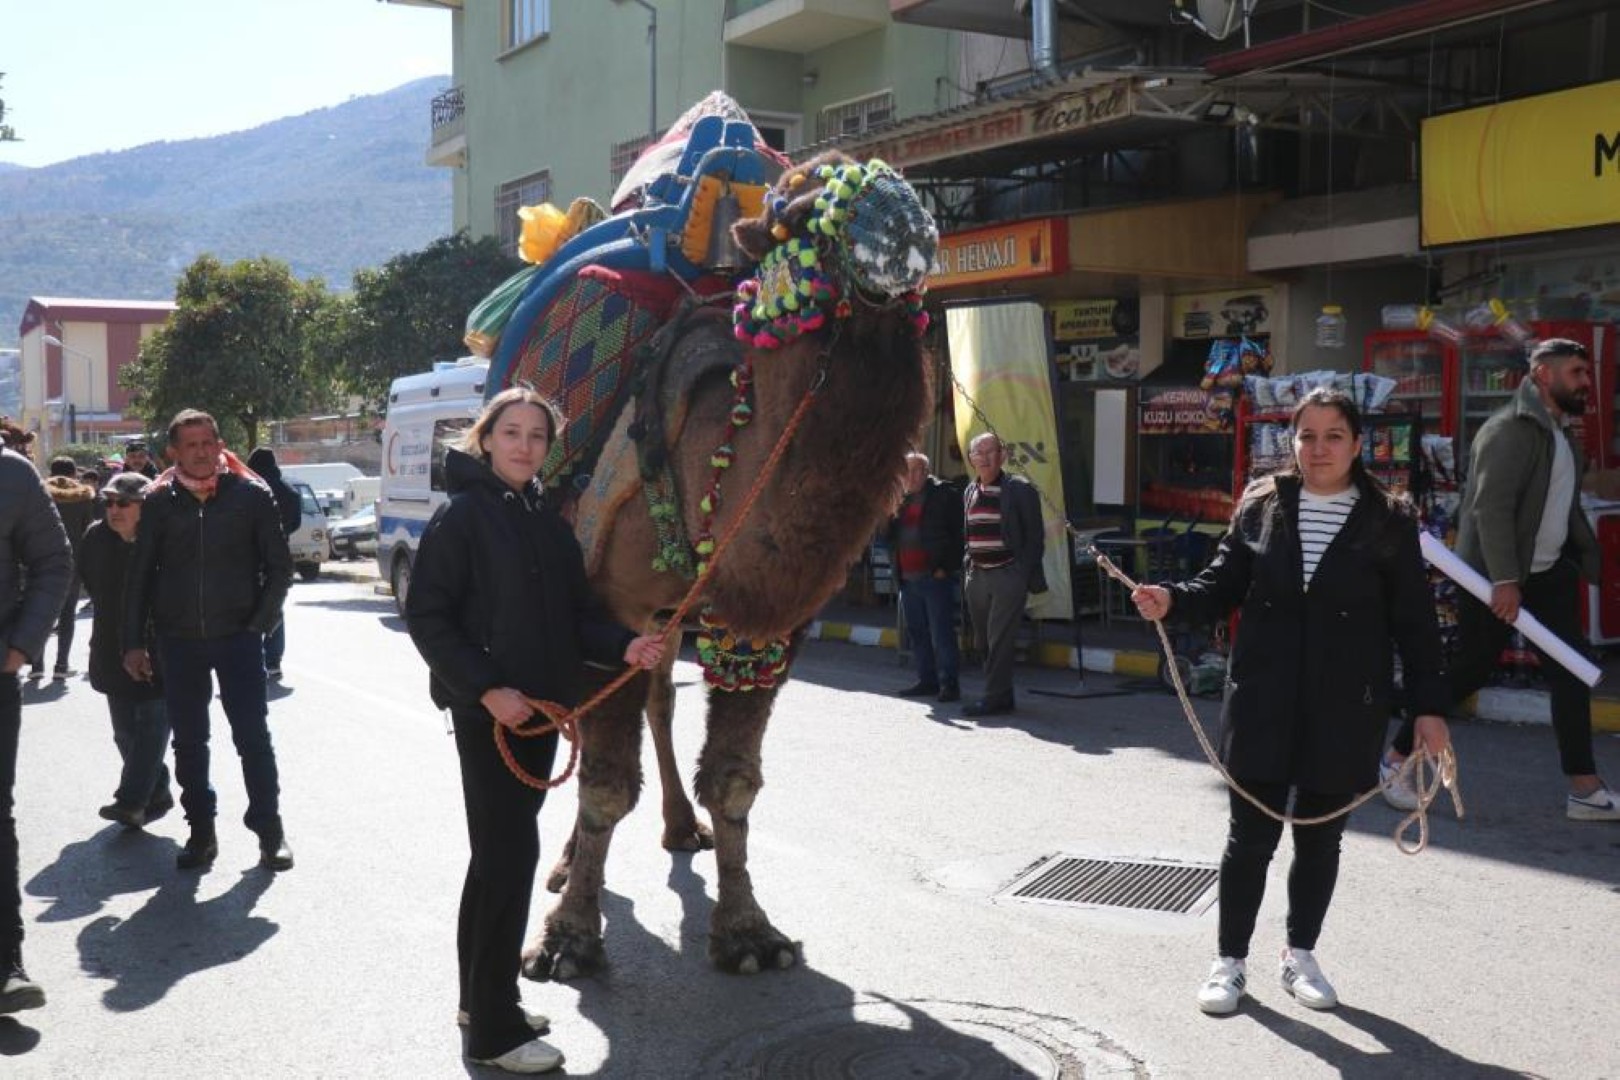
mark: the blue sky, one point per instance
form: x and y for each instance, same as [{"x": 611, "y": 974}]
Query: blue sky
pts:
[{"x": 85, "y": 76}]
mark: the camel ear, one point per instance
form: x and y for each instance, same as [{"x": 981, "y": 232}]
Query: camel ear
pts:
[{"x": 753, "y": 237}]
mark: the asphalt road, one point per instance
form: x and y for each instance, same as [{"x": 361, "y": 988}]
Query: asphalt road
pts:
[{"x": 883, "y": 838}]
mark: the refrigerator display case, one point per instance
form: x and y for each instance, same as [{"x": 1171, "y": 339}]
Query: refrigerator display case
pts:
[{"x": 1424, "y": 370}]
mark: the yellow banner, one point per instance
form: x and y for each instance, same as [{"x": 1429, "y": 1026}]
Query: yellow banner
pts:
[
  {"x": 998, "y": 355},
  {"x": 1537, "y": 165}
]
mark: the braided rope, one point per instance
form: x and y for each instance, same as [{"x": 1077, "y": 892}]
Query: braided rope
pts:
[
  {"x": 1443, "y": 765},
  {"x": 560, "y": 718}
]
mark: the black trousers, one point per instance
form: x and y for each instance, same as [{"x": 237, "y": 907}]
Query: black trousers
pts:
[
  {"x": 1250, "y": 841},
  {"x": 1554, "y": 597},
  {"x": 504, "y": 835},
  {"x": 11, "y": 924}
]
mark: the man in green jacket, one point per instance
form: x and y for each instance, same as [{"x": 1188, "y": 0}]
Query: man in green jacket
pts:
[{"x": 1522, "y": 527}]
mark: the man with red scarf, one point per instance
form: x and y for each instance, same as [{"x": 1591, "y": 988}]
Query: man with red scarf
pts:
[{"x": 211, "y": 569}]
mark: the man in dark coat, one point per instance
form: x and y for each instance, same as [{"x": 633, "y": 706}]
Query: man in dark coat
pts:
[
  {"x": 925, "y": 545},
  {"x": 263, "y": 462},
  {"x": 35, "y": 564},
  {"x": 211, "y": 568},
  {"x": 1006, "y": 541},
  {"x": 138, "y": 460}
]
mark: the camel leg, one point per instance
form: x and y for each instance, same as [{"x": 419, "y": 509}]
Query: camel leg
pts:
[
  {"x": 570, "y": 942},
  {"x": 741, "y": 938},
  {"x": 682, "y": 830}
]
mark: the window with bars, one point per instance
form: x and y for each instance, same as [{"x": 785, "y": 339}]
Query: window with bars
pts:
[
  {"x": 855, "y": 117},
  {"x": 523, "y": 21},
  {"x": 622, "y": 155},
  {"x": 531, "y": 190}
]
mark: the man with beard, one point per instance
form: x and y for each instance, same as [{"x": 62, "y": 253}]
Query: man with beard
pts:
[{"x": 1521, "y": 526}]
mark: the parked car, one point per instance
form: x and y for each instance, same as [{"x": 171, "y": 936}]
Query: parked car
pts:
[
  {"x": 355, "y": 535},
  {"x": 310, "y": 546}
]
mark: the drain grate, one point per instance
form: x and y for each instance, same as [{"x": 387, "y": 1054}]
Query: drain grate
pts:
[{"x": 1177, "y": 888}]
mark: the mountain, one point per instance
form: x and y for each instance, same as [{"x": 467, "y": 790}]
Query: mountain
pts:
[{"x": 328, "y": 192}]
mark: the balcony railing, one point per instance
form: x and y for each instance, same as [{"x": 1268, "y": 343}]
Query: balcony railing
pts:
[{"x": 447, "y": 109}]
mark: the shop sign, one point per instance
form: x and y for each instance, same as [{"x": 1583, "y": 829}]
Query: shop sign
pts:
[
  {"x": 1018, "y": 249},
  {"x": 1238, "y": 313},
  {"x": 1083, "y": 320},
  {"x": 1536, "y": 165},
  {"x": 1072, "y": 112},
  {"x": 1179, "y": 410}
]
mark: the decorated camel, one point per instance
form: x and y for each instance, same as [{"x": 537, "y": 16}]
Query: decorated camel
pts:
[{"x": 810, "y": 372}]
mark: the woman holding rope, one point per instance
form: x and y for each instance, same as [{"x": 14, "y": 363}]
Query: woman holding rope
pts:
[
  {"x": 500, "y": 609},
  {"x": 1323, "y": 563}
]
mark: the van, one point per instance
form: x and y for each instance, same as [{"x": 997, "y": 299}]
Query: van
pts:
[
  {"x": 310, "y": 545},
  {"x": 427, "y": 414},
  {"x": 326, "y": 478},
  {"x": 359, "y": 494}
]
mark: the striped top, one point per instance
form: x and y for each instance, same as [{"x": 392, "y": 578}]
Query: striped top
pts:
[
  {"x": 1320, "y": 519},
  {"x": 985, "y": 545}
]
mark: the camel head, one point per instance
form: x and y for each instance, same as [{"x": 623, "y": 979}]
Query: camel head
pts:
[{"x": 837, "y": 238}]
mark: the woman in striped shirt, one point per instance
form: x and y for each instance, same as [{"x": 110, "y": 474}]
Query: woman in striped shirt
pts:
[{"x": 1323, "y": 562}]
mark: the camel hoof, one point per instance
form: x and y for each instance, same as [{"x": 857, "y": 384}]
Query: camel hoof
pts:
[
  {"x": 753, "y": 952},
  {"x": 693, "y": 837},
  {"x": 563, "y": 955}
]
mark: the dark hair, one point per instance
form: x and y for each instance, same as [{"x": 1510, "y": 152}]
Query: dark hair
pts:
[
  {"x": 1556, "y": 348},
  {"x": 62, "y": 465},
  {"x": 187, "y": 417},
  {"x": 15, "y": 438},
  {"x": 473, "y": 441},
  {"x": 1326, "y": 397},
  {"x": 135, "y": 446}
]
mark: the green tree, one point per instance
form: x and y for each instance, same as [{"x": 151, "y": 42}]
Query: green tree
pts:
[
  {"x": 234, "y": 347},
  {"x": 408, "y": 313}
]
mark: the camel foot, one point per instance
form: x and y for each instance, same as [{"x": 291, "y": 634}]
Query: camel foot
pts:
[
  {"x": 691, "y": 835},
  {"x": 563, "y": 953},
  {"x": 558, "y": 878},
  {"x": 750, "y": 949}
]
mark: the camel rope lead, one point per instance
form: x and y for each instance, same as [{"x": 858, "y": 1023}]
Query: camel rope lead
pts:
[
  {"x": 1443, "y": 765},
  {"x": 560, "y": 718}
]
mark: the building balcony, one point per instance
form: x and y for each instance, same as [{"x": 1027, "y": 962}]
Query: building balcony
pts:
[
  {"x": 448, "y": 143},
  {"x": 801, "y": 26}
]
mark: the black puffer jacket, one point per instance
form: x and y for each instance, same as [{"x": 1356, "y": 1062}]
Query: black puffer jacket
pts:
[
  {"x": 104, "y": 565},
  {"x": 499, "y": 597},
  {"x": 1310, "y": 687},
  {"x": 207, "y": 570}
]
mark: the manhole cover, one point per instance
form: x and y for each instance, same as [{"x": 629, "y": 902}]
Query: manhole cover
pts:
[
  {"x": 936, "y": 1040},
  {"x": 1178, "y": 888}
]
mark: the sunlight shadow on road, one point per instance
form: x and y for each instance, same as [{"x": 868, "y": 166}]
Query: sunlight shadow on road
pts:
[{"x": 89, "y": 872}]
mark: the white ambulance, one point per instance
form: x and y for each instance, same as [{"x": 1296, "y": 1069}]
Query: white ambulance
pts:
[{"x": 427, "y": 415}]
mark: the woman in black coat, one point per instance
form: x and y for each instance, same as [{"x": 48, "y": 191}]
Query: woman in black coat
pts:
[
  {"x": 500, "y": 609},
  {"x": 1324, "y": 565}
]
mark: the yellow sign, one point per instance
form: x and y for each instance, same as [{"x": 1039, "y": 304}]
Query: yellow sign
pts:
[
  {"x": 1016, "y": 250},
  {"x": 1536, "y": 165},
  {"x": 1083, "y": 320}
]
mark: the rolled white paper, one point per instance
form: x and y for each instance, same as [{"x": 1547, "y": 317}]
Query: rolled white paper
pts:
[{"x": 1446, "y": 561}]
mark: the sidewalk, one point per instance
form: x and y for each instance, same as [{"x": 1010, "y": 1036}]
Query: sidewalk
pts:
[{"x": 1132, "y": 648}]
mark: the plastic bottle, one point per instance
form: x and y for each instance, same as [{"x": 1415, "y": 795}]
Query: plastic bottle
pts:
[
  {"x": 1399, "y": 316},
  {"x": 1330, "y": 327},
  {"x": 1510, "y": 327}
]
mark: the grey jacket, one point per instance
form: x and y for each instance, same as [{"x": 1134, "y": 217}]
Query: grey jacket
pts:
[
  {"x": 1510, "y": 466},
  {"x": 35, "y": 561}
]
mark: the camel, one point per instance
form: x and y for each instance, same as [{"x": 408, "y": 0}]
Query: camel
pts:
[{"x": 839, "y": 477}]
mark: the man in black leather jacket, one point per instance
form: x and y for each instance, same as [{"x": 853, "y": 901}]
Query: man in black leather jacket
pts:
[{"x": 211, "y": 568}]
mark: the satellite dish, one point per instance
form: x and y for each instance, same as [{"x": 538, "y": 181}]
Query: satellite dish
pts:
[{"x": 1217, "y": 18}]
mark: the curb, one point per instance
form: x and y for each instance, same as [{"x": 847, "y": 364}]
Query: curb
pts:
[{"x": 1495, "y": 703}]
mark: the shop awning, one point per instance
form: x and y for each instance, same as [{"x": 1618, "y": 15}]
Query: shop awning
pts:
[{"x": 1356, "y": 226}]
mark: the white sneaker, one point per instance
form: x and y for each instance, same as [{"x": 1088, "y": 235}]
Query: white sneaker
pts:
[
  {"x": 1601, "y": 805},
  {"x": 536, "y": 1021},
  {"x": 1302, "y": 976},
  {"x": 1224, "y": 988},
  {"x": 1400, "y": 791},
  {"x": 534, "y": 1056}
]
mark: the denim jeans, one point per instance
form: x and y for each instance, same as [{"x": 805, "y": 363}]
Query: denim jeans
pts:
[
  {"x": 11, "y": 924},
  {"x": 930, "y": 607},
  {"x": 238, "y": 661},
  {"x": 275, "y": 646},
  {"x": 141, "y": 733}
]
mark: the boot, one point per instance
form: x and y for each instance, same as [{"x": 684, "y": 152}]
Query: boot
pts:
[
  {"x": 17, "y": 992},
  {"x": 201, "y": 849},
  {"x": 274, "y": 854}
]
